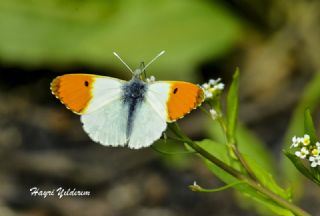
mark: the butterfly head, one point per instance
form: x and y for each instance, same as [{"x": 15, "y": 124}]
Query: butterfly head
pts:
[{"x": 137, "y": 73}]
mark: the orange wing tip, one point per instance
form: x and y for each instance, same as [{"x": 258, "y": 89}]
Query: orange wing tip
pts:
[
  {"x": 54, "y": 87},
  {"x": 200, "y": 97},
  {"x": 201, "y": 100},
  {"x": 63, "y": 92}
]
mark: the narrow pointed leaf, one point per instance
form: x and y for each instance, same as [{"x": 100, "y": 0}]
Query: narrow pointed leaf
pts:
[
  {"x": 232, "y": 106},
  {"x": 297, "y": 162}
]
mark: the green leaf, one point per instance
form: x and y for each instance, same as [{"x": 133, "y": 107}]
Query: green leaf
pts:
[
  {"x": 248, "y": 143},
  {"x": 309, "y": 126},
  {"x": 266, "y": 178},
  {"x": 306, "y": 171},
  {"x": 232, "y": 107},
  {"x": 220, "y": 151}
]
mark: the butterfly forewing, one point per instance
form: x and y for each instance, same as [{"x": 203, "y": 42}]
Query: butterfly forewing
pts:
[
  {"x": 177, "y": 97},
  {"x": 84, "y": 93}
]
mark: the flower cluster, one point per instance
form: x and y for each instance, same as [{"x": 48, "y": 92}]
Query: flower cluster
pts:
[
  {"x": 212, "y": 87},
  {"x": 306, "y": 149}
]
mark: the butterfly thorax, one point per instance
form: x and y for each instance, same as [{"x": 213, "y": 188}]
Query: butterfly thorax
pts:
[
  {"x": 134, "y": 90},
  {"x": 133, "y": 94}
]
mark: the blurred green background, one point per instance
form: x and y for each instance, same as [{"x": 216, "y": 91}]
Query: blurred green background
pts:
[{"x": 276, "y": 44}]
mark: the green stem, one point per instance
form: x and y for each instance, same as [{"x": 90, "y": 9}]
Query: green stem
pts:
[
  {"x": 198, "y": 188},
  {"x": 244, "y": 163},
  {"x": 235, "y": 151}
]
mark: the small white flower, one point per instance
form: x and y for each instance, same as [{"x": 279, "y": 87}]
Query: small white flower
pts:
[
  {"x": 303, "y": 153},
  {"x": 300, "y": 139},
  {"x": 205, "y": 86},
  {"x": 212, "y": 82},
  {"x": 315, "y": 161},
  {"x": 208, "y": 94},
  {"x": 315, "y": 152},
  {"x": 213, "y": 114},
  {"x": 151, "y": 79},
  {"x": 195, "y": 187},
  {"x": 219, "y": 86},
  {"x": 306, "y": 140},
  {"x": 295, "y": 142},
  {"x": 212, "y": 86}
]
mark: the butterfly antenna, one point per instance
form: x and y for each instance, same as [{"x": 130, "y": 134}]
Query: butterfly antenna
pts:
[
  {"x": 157, "y": 56},
  {"x": 114, "y": 53}
]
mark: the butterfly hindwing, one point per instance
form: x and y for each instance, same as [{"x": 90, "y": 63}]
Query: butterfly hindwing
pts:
[{"x": 108, "y": 124}]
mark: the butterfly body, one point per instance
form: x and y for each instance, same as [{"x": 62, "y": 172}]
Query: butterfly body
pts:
[
  {"x": 119, "y": 113},
  {"x": 133, "y": 94}
]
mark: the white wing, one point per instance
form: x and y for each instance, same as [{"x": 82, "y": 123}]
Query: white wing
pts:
[
  {"x": 108, "y": 124},
  {"x": 150, "y": 117},
  {"x": 105, "y": 119}
]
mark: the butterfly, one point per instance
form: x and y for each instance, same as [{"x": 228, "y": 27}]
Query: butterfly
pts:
[{"x": 130, "y": 113}]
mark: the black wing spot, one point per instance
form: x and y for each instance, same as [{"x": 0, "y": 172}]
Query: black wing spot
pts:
[
  {"x": 175, "y": 90},
  {"x": 86, "y": 83}
]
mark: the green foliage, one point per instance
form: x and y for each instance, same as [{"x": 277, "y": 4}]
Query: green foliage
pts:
[
  {"x": 266, "y": 178},
  {"x": 256, "y": 157},
  {"x": 248, "y": 144},
  {"x": 220, "y": 151},
  {"x": 60, "y": 33},
  {"x": 242, "y": 171}
]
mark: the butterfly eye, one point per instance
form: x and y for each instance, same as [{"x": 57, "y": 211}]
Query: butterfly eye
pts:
[
  {"x": 175, "y": 90},
  {"x": 86, "y": 83}
]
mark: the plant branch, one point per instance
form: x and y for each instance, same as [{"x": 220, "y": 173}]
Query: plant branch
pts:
[
  {"x": 234, "y": 149},
  {"x": 296, "y": 210},
  {"x": 271, "y": 195},
  {"x": 244, "y": 163}
]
